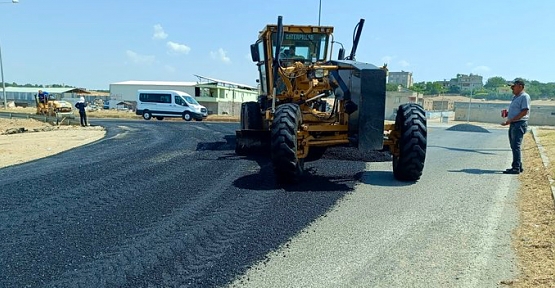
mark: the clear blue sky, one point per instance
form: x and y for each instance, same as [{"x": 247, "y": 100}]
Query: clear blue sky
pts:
[{"x": 93, "y": 43}]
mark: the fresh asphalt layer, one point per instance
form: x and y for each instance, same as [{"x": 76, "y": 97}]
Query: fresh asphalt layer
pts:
[{"x": 159, "y": 203}]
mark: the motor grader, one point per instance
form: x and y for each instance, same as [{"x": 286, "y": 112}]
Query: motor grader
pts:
[
  {"x": 54, "y": 107},
  {"x": 309, "y": 102}
]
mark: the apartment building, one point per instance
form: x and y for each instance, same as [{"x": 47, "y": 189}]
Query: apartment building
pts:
[
  {"x": 401, "y": 78},
  {"x": 471, "y": 82}
]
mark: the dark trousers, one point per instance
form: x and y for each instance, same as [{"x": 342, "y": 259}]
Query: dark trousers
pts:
[
  {"x": 516, "y": 134},
  {"x": 83, "y": 118}
]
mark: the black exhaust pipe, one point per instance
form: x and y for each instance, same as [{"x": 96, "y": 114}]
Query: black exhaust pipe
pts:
[
  {"x": 356, "y": 38},
  {"x": 279, "y": 38}
]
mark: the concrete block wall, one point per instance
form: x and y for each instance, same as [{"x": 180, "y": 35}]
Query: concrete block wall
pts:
[{"x": 540, "y": 115}]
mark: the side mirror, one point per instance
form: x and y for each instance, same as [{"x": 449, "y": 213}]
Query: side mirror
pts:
[
  {"x": 341, "y": 55},
  {"x": 254, "y": 53}
]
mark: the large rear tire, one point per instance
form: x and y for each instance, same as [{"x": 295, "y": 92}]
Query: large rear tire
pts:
[
  {"x": 411, "y": 122},
  {"x": 287, "y": 120},
  {"x": 250, "y": 116}
]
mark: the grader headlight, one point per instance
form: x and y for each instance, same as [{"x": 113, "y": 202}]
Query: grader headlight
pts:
[{"x": 319, "y": 73}]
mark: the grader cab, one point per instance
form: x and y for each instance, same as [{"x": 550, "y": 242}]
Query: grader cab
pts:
[{"x": 309, "y": 102}]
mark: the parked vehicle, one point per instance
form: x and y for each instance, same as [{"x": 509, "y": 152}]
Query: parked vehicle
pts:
[{"x": 169, "y": 103}]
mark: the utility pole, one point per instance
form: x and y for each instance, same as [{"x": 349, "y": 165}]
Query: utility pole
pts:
[
  {"x": 469, "y": 101},
  {"x": 319, "y": 12},
  {"x": 3, "y": 83},
  {"x": 2, "y": 69}
]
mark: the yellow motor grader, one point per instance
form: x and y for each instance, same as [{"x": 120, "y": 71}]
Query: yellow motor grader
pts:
[
  {"x": 309, "y": 102},
  {"x": 52, "y": 106}
]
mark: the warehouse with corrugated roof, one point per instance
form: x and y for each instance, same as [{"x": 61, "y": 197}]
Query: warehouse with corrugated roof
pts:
[{"x": 25, "y": 96}]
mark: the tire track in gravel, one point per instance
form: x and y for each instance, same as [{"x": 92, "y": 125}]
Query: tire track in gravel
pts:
[
  {"x": 90, "y": 198},
  {"x": 206, "y": 238},
  {"x": 155, "y": 231},
  {"x": 32, "y": 208},
  {"x": 61, "y": 203},
  {"x": 282, "y": 215}
]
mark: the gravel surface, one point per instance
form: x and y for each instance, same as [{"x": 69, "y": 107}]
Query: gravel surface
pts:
[
  {"x": 170, "y": 204},
  {"x": 450, "y": 229},
  {"x": 153, "y": 203}
]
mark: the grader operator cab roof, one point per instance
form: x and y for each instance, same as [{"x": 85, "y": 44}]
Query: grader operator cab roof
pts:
[
  {"x": 298, "y": 29},
  {"x": 307, "y": 42}
]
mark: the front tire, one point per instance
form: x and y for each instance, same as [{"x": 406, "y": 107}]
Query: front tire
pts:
[
  {"x": 411, "y": 123},
  {"x": 160, "y": 118},
  {"x": 288, "y": 168},
  {"x": 187, "y": 116},
  {"x": 147, "y": 115}
]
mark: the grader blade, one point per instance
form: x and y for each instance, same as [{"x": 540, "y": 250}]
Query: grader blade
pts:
[{"x": 248, "y": 142}]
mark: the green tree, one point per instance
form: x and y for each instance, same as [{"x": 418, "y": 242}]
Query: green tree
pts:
[
  {"x": 495, "y": 82},
  {"x": 419, "y": 87},
  {"x": 434, "y": 88},
  {"x": 533, "y": 88},
  {"x": 547, "y": 90},
  {"x": 454, "y": 89},
  {"x": 391, "y": 87}
]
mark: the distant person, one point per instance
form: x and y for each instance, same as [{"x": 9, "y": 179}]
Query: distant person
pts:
[
  {"x": 42, "y": 102},
  {"x": 82, "y": 114},
  {"x": 517, "y": 118},
  {"x": 43, "y": 98}
]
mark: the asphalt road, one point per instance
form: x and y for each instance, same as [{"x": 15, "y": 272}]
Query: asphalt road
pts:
[{"x": 169, "y": 204}]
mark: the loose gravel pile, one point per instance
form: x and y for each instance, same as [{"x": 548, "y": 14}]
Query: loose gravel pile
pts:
[{"x": 468, "y": 128}]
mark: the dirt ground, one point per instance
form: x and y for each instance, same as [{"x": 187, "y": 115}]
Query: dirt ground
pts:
[
  {"x": 35, "y": 139},
  {"x": 533, "y": 239}
]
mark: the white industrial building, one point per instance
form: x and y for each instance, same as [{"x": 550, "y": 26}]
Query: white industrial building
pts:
[
  {"x": 127, "y": 90},
  {"x": 218, "y": 96}
]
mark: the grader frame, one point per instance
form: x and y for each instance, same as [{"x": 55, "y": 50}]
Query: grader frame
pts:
[{"x": 309, "y": 102}]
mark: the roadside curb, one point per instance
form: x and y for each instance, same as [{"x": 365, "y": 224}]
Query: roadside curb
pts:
[{"x": 545, "y": 161}]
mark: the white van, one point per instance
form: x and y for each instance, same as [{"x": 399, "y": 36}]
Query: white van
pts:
[{"x": 169, "y": 103}]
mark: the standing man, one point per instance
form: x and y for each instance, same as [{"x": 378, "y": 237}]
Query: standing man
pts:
[
  {"x": 43, "y": 97},
  {"x": 82, "y": 114},
  {"x": 43, "y": 102},
  {"x": 517, "y": 118}
]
